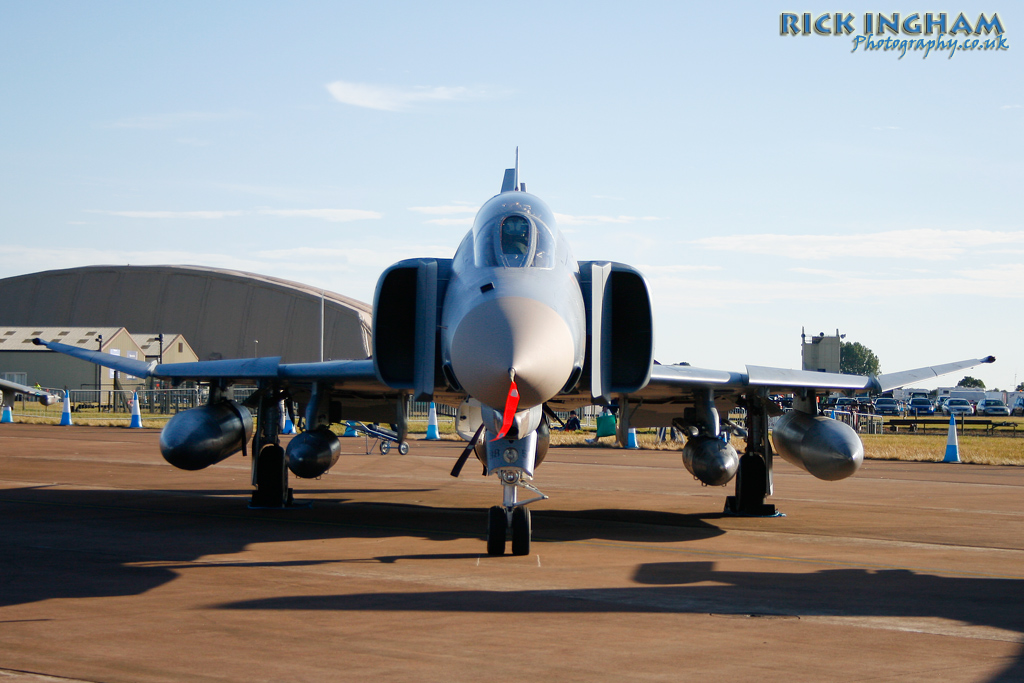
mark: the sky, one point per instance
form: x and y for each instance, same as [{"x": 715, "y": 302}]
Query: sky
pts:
[{"x": 763, "y": 183}]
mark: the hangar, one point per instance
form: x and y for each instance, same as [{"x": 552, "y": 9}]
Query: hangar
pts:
[{"x": 222, "y": 313}]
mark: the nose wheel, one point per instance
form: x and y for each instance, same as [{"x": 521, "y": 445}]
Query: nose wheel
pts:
[
  {"x": 521, "y": 531},
  {"x": 512, "y": 518},
  {"x": 501, "y": 525}
]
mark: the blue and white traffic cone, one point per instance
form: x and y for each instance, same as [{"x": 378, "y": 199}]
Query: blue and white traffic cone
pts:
[
  {"x": 7, "y": 416},
  {"x": 136, "y": 422},
  {"x": 65, "y": 417},
  {"x": 349, "y": 431},
  {"x": 631, "y": 438},
  {"x": 287, "y": 426},
  {"x": 432, "y": 433},
  {"x": 952, "y": 445}
]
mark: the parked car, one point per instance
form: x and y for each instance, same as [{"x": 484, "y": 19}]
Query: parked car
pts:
[
  {"x": 958, "y": 406},
  {"x": 1018, "y": 407},
  {"x": 939, "y": 402},
  {"x": 847, "y": 404},
  {"x": 864, "y": 404},
  {"x": 888, "y": 406},
  {"x": 993, "y": 406},
  {"x": 919, "y": 405}
]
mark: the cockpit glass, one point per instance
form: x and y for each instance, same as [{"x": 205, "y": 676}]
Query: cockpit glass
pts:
[
  {"x": 514, "y": 230},
  {"x": 515, "y": 236}
]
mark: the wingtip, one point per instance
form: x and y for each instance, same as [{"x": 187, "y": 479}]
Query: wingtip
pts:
[
  {"x": 37, "y": 341},
  {"x": 989, "y": 359}
]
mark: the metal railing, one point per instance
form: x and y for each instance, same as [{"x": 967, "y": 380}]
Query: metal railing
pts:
[
  {"x": 862, "y": 423},
  {"x": 151, "y": 401},
  {"x": 154, "y": 402}
]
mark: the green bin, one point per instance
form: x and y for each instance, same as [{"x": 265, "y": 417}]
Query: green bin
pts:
[{"x": 605, "y": 425}]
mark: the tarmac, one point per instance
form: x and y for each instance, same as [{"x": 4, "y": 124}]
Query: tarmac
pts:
[{"x": 117, "y": 567}]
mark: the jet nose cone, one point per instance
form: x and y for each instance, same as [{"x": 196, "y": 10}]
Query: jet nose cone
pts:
[{"x": 512, "y": 332}]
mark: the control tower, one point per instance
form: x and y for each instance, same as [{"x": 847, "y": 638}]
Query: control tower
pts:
[{"x": 821, "y": 353}]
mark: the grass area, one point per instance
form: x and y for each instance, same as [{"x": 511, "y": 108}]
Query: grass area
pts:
[
  {"x": 980, "y": 450},
  {"x": 90, "y": 420},
  {"x": 942, "y": 424}
]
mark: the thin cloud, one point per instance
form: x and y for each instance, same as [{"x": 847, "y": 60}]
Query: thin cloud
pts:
[
  {"x": 1008, "y": 276},
  {"x": 18, "y": 259},
  {"x": 568, "y": 219},
  {"x": 391, "y": 98},
  {"x": 365, "y": 259},
  {"x": 444, "y": 210},
  {"x": 702, "y": 292},
  {"x": 468, "y": 220},
  {"x": 669, "y": 270},
  {"x": 331, "y": 215},
  {"x": 919, "y": 244},
  {"x": 190, "y": 215},
  {"x": 372, "y": 257}
]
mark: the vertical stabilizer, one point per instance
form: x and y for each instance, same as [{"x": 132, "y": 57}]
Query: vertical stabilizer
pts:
[{"x": 508, "y": 184}]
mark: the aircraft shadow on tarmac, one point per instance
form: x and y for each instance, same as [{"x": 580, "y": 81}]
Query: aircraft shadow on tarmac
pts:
[
  {"x": 63, "y": 543},
  {"x": 698, "y": 588},
  {"x": 88, "y": 543}
]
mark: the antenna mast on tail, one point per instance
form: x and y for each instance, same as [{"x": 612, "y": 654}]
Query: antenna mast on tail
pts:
[{"x": 510, "y": 183}]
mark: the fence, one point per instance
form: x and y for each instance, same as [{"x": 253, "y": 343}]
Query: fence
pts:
[
  {"x": 862, "y": 423},
  {"x": 151, "y": 402},
  {"x": 172, "y": 401}
]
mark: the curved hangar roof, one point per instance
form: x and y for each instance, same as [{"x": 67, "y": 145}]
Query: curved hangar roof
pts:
[{"x": 221, "y": 312}]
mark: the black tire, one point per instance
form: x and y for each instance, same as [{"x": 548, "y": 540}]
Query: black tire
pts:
[
  {"x": 271, "y": 480},
  {"x": 753, "y": 484},
  {"x": 384, "y": 447},
  {"x": 403, "y": 448},
  {"x": 496, "y": 528},
  {"x": 521, "y": 531}
]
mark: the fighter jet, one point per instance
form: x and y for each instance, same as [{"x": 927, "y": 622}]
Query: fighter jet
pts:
[{"x": 517, "y": 323}]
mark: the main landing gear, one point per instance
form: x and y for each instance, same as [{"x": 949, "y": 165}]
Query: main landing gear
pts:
[
  {"x": 269, "y": 464},
  {"x": 512, "y": 518},
  {"x": 754, "y": 479}
]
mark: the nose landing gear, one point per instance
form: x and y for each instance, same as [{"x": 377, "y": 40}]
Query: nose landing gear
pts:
[{"x": 512, "y": 518}]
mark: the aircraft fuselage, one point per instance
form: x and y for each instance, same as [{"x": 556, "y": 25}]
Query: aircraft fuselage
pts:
[{"x": 514, "y": 303}]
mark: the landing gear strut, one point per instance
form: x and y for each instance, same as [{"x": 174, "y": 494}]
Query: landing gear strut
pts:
[
  {"x": 754, "y": 479},
  {"x": 269, "y": 469}
]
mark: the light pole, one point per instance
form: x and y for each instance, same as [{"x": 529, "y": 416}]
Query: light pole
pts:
[{"x": 99, "y": 372}]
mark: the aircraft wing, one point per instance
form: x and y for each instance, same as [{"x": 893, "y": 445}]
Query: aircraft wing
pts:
[
  {"x": 44, "y": 397},
  {"x": 668, "y": 380},
  {"x": 358, "y": 373}
]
